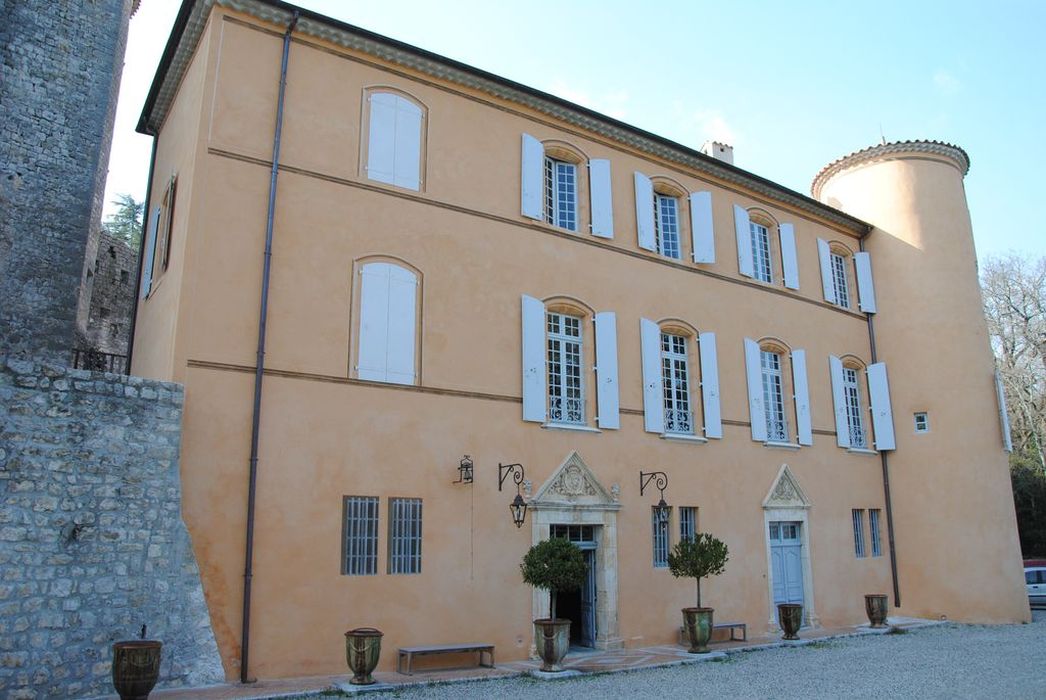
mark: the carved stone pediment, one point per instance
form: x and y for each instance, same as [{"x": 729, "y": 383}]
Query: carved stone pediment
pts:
[
  {"x": 786, "y": 492},
  {"x": 573, "y": 483}
]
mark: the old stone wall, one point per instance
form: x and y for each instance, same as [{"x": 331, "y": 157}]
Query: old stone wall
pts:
[
  {"x": 112, "y": 296},
  {"x": 92, "y": 544}
]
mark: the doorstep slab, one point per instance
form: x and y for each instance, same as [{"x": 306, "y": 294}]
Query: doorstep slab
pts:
[
  {"x": 554, "y": 675},
  {"x": 351, "y": 689}
]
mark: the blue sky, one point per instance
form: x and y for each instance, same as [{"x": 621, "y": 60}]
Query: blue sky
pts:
[{"x": 792, "y": 86}]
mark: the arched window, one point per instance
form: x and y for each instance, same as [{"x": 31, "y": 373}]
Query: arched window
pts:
[
  {"x": 386, "y": 347},
  {"x": 839, "y": 268},
  {"x": 680, "y": 380},
  {"x": 771, "y": 367},
  {"x": 395, "y": 138},
  {"x": 849, "y": 398},
  {"x": 758, "y": 251},
  {"x": 552, "y": 179}
]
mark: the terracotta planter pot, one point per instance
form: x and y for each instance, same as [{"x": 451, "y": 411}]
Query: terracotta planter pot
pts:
[
  {"x": 790, "y": 617},
  {"x": 136, "y": 667},
  {"x": 362, "y": 650},
  {"x": 875, "y": 608},
  {"x": 698, "y": 625},
  {"x": 553, "y": 640}
]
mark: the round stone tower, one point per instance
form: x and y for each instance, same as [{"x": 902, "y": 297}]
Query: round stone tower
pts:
[{"x": 956, "y": 538}]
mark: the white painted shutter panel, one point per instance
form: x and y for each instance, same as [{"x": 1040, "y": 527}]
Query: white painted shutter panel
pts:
[
  {"x": 601, "y": 199},
  {"x": 381, "y": 146},
  {"x": 842, "y": 420},
  {"x": 743, "y": 229},
  {"x": 402, "y": 314},
  {"x": 710, "y": 385},
  {"x": 533, "y": 178},
  {"x": 865, "y": 287},
  {"x": 372, "y": 358},
  {"x": 754, "y": 371},
  {"x": 653, "y": 405},
  {"x": 534, "y": 378},
  {"x": 1004, "y": 418},
  {"x": 150, "y": 251},
  {"x": 802, "y": 398},
  {"x": 645, "y": 211},
  {"x": 824, "y": 256},
  {"x": 702, "y": 232},
  {"x": 407, "y": 161},
  {"x": 607, "y": 403},
  {"x": 789, "y": 260},
  {"x": 882, "y": 413}
]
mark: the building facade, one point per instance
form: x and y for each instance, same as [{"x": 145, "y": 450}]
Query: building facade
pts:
[{"x": 463, "y": 266}]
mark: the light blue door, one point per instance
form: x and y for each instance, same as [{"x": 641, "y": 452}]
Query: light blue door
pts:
[{"x": 786, "y": 558}]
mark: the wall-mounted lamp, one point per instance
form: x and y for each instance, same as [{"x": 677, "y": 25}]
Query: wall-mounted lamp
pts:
[
  {"x": 518, "y": 507},
  {"x": 660, "y": 479},
  {"x": 464, "y": 471}
]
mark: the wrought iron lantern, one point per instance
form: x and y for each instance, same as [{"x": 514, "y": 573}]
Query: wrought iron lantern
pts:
[
  {"x": 662, "y": 510},
  {"x": 518, "y": 506},
  {"x": 464, "y": 470}
]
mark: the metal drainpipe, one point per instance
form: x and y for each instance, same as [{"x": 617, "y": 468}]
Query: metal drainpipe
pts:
[
  {"x": 886, "y": 472},
  {"x": 141, "y": 255},
  {"x": 260, "y": 362}
]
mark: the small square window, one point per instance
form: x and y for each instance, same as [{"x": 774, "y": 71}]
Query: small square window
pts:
[{"x": 922, "y": 423}]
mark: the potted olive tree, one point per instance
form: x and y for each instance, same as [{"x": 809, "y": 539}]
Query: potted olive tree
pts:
[
  {"x": 698, "y": 557},
  {"x": 554, "y": 565}
]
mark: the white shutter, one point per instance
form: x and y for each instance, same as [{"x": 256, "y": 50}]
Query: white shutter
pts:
[
  {"x": 789, "y": 261},
  {"x": 407, "y": 161},
  {"x": 653, "y": 401},
  {"x": 743, "y": 229},
  {"x": 381, "y": 146},
  {"x": 1004, "y": 418},
  {"x": 150, "y": 251},
  {"x": 533, "y": 179},
  {"x": 882, "y": 413},
  {"x": 534, "y": 378},
  {"x": 865, "y": 287},
  {"x": 842, "y": 420},
  {"x": 754, "y": 371},
  {"x": 645, "y": 211},
  {"x": 702, "y": 232},
  {"x": 802, "y": 398},
  {"x": 600, "y": 198},
  {"x": 372, "y": 358},
  {"x": 606, "y": 371},
  {"x": 824, "y": 256},
  {"x": 402, "y": 315},
  {"x": 710, "y": 385}
]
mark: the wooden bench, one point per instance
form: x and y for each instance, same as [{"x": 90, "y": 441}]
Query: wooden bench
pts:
[
  {"x": 732, "y": 626},
  {"x": 410, "y": 652}
]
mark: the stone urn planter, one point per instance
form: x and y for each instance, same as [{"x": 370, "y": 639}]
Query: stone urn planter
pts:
[
  {"x": 362, "y": 650},
  {"x": 552, "y": 638},
  {"x": 136, "y": 667},
  {"x": 875, "y": 608},
  {"x": 790, "y": 616},
  {"x": 698, "y": 625}
]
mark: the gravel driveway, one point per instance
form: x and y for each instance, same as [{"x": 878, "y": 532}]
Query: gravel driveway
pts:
[{"x": 951, "y": 661}]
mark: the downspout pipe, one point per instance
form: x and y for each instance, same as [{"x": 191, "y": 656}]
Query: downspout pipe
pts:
[
  {"x": 886, "y": 470},
  {"x": 141, "y": 253},
  {"x": 259, "y": 371}
]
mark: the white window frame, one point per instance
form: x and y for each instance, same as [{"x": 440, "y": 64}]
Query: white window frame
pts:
[
  {"x": 675, "y": 385},
  {"x": 858, "y": 529},
  {"x": 762, "y": 258},
  {"x": 922, "y": 421},
  {"x": 566, "y": 403},
  {"x": 667, "y": 229},
  {"x": 771, "y": 364},
  {"x": 660, "y": 539},
  {"x": 359, "y": 536},
  {"x": 687, "y": 522},
  {"x": 404, "y": 542},
  {"x": 840, "y": 279},
  {"x": 561, "y": 198},
  {"x": 874, "y": 516},
  {"x": 854, "y": 414}
]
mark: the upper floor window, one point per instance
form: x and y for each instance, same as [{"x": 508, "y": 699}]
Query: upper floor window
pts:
[
  {"x": 566, "y": 393},
  {"x": 840, "y": 280},
  {"x": 561, "y": 193},
  {"x": 395, "y": 143},
  {"x": 158, "y": 235},
  {"x": 840, "y": 268},
  {"x": 850, "y": 402},
  {"x": 773, "y": 397},
  {"x": 852, "y": 393},
  {"x": 387, "y": 330},
  {"x": 760, "y": 252},
  {"x": 671, "y": 388},
  {"x": 675, "y": 383},
  {"x": 757, "y": 249},
  {"x": 769, "y": 366},
  {"x": 666, "y": 225},
  {"x": 552, "y": 178}
]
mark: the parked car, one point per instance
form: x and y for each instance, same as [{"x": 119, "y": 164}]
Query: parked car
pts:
[{"x": 1035, "y": 582}]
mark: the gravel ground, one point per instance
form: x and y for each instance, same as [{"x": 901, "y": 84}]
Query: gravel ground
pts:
[{"x": 951, "y": 661}]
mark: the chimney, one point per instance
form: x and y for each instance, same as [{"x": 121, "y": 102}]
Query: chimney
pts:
[{"x": 719, "y": 151}]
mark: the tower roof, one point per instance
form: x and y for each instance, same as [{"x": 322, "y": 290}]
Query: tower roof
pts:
[{"x": 889, "y": 151}]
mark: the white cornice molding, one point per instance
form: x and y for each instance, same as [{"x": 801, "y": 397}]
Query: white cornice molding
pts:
[{"x": 890, "y": 151}]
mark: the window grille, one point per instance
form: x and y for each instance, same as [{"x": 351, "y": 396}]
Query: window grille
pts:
[
  {"x": 852, "y": 392},
  {"x": 561, "y": 194},
  {"x": 573, "y": 533},
  {"x": 404, "y": 535},
  {"x": 660, "y": 540},
  {"x": 760, "y": 252},
  {"x": 858, "y": 522},
  {"x": 773, "y": 397},
  {"x": 566, "y": 396},
  {"x": 675, "y": 384},
  {"x": 873, "y": 525},
  {"x": 666, "y": 225},
  {"x": 840, "y": 281},
  {"x": 687, "y": 522},
  {"x": 360, "y": 536}
]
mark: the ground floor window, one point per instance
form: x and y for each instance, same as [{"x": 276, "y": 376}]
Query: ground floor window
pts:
[
  {"x": 660, "y": 539},
  {"x": 858, "y": 524},
  {"x": 873, "y": 526},
  {"x": 687, "y": 522},
  {"x": 360, "y": 535},
  {"x": 404, "y": 535}
]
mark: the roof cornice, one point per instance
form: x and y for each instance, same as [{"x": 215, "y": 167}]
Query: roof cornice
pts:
[
  {"x": 193, "y": 16},
  {"x": 890, "y": 151}
]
